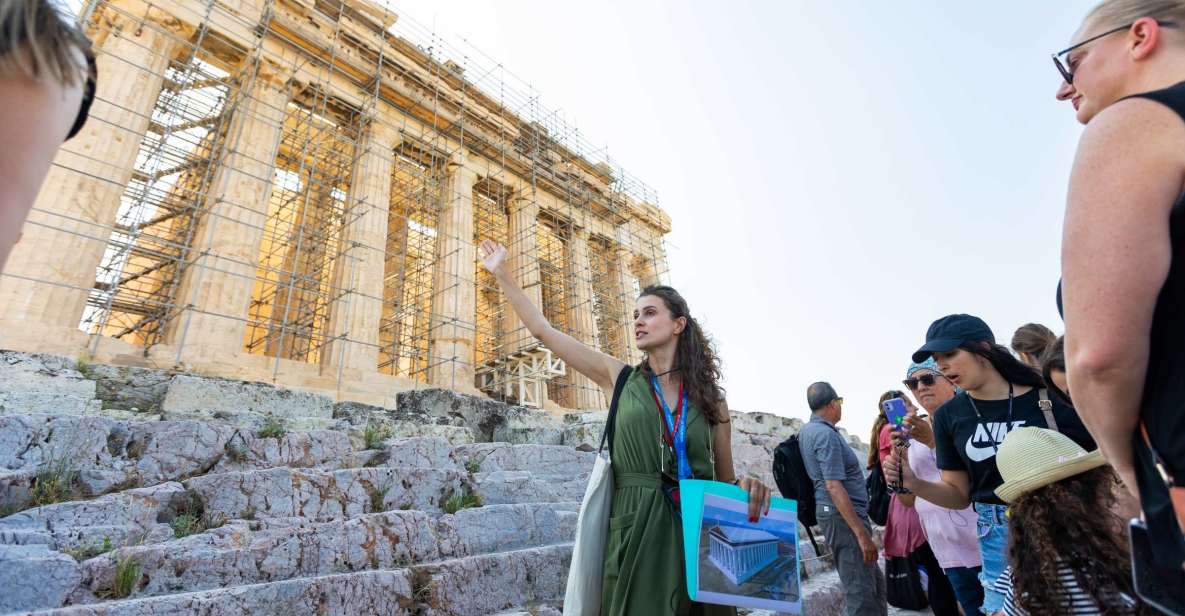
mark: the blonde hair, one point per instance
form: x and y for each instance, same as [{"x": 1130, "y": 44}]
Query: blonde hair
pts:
[
  {"x": 1115, "y": 13},
  {"x": 36, "y": 40}
]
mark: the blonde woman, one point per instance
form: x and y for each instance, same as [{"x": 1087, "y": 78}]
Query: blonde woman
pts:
[
  {"x": 1123, "y": 273},
  {"x": 46, "y": 84}
]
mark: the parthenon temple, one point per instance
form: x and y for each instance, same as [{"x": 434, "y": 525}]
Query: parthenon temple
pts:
[{"x": 292, "y": 192}]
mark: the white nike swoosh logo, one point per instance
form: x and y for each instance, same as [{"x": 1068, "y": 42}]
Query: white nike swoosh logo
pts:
[{"x": 979, "y": 454}]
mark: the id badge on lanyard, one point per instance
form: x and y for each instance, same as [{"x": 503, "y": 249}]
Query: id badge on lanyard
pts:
[{"x": 676, "y": 426}]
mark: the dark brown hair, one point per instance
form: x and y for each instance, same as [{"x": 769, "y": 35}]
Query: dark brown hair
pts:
[
  {"x": 695, "y": 358},
  {"x": 1032, "y": 338},
  {"x": 1010, "y": 368},
  {"x": 1055, "y": 359},
  {"x": 1069, "y": 522}
]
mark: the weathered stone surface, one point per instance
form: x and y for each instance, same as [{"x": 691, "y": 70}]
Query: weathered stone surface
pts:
[
  {"x": 456, "y": 435},
  {"x": 110, "y": 454},
  {"x": 418, "y": 452},
  {"x": 583, "y": 430},
  {"x": 130, "y": 388},
  {"x": 243, "y": 403},
  {"x": 121, "y": 414},
  {"x": 489, "y": 419},
  {"x": 765, "y": 424},
  {"x": 367, "y": 592},
  {"x": 14, "y": 402},
  {"x": 37, "y": 373},
  {"x": 322, "y": 495},
  {"x": 823, "y": 595},
  {"x": 127, "y": 517},
  {"x": 500, "y": 528},
  {"x": 234, "y": 555},
  {"x": 544, "y": 461},
  {"x": 307, "y": 523},
  {"x": 501, "y": 487},
  {"x": 495, "y": 582},
  {"x": 32, "y": 577}
]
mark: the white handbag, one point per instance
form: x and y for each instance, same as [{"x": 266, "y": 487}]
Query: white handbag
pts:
[{"x": 583, "y": 595}]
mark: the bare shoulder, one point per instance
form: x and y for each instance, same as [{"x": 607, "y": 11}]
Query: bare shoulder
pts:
[{"x": 1137, "y": 126}]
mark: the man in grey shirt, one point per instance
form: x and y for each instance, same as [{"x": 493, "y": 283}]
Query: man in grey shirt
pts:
[{"x": 841, "y": 503}]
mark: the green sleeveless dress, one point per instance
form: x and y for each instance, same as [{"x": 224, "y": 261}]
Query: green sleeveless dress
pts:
[{"x": 643, "y": 572}]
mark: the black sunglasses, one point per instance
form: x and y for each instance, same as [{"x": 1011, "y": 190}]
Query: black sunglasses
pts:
[
  {"x": 926, "y": 379},
  {"x": 1068, "y": 73}
]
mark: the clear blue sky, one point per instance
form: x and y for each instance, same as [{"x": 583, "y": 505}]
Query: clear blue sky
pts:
[{"x": 839, "y": 173}]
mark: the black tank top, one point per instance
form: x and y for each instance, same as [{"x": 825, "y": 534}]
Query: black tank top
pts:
[
  {"x": 1162, "y": 409},
  {"x": 1163, "y": 406}
]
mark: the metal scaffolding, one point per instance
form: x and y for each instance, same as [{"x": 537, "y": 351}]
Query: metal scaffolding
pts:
[{"x": 253, "y": 213}]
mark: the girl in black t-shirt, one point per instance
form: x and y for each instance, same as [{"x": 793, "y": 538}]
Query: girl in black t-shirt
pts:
[{"x": 1000, "y": 394}]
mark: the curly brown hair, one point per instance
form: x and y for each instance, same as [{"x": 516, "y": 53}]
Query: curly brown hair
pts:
[
  {"x": 695, "y": 358},
  {"x": 1070, "y": 521}
]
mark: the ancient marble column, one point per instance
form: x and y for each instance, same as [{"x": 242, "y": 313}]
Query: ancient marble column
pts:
[
  {"x": 582, "y": 392},
  {"x": 51, "y": 269},
  {"x": 523, "y": 260},
  {"x": 454, "y": 295},
  {"x": 216, "y": 290},
  {"x": 625, "y": 296},
  {"x": 358, "y": 307}
]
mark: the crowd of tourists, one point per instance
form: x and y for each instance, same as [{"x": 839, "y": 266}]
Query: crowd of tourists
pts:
[{"x": 1005, "y": 487}]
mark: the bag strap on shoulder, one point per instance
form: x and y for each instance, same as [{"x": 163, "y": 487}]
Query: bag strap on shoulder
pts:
[
  {"x": 1046, "y": 406},
  {"x": 611, "y": 421}
]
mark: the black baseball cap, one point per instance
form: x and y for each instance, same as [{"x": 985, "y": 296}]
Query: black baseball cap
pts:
[
  {"x": 819, "y": 395},
  {"x": 947, "y": 333}
]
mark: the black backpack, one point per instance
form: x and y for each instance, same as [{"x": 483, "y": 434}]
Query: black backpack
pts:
[
  {"x": 878, "y": 496},
  {"x": 795, "y": 484}
]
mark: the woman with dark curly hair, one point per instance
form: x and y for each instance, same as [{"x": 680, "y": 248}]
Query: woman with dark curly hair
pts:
[
  {"x": 1067, "y": 550},
  {"x": 672, "y": 423}
]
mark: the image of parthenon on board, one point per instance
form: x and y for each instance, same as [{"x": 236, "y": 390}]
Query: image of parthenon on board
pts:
[{"x": 292, "y": 192}]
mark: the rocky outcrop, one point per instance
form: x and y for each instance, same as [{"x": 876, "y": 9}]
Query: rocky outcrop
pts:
[{"x": 151, "y": 493}]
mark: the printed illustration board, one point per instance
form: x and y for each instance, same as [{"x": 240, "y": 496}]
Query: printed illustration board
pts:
[{"x": 732, "y": 561}]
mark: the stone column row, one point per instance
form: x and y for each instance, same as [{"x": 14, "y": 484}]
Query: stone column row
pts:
[
  {"x": 454, "y": 292},
  {"x": 53, "y": 267},
  {"x": 215, "y": 290}
]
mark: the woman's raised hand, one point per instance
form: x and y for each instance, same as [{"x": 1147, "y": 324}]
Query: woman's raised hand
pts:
[{"x": 493, "y": 255}]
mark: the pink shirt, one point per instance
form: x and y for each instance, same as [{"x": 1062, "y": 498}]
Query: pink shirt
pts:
[
  {"x": 953, "y": 535},
  {"x": 903, "y": 532}
]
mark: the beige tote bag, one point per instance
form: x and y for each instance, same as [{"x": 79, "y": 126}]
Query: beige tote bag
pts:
[{"x": 583, "y": 595}]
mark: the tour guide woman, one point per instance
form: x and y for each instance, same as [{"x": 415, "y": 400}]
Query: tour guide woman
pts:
[{"x": 677, "y": 383}]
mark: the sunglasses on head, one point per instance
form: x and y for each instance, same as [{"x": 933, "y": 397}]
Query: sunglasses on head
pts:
[{"x": 926, "y": 379}]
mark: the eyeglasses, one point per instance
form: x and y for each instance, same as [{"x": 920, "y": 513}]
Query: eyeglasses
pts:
[
  {"x": 926, "y": 379},
  {"x": 1068, "y": 72}
]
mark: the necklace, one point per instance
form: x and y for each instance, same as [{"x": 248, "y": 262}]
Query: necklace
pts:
[
  {"x": 995, "y": 445},
  {"x": 667, "y": 372}
]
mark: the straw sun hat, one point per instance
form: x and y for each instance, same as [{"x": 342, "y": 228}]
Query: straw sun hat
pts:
[{"x": 1030, "y": 458}]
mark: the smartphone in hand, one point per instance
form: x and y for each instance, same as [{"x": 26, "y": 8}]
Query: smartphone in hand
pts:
[
  {"x": 895, "y": 412},
  {"x": 1156, "y": 585}
]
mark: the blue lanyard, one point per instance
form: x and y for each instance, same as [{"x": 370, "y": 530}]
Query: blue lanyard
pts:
[{"x": 679, "y": 430}]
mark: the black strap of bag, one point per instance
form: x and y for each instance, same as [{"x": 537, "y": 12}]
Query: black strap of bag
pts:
[
  {"x": 611, "y": 422},
  {"x": 1046, "y": 406}
]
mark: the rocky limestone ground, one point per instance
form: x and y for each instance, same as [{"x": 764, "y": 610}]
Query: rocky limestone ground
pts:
[{"x": 139, "y": 492}]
